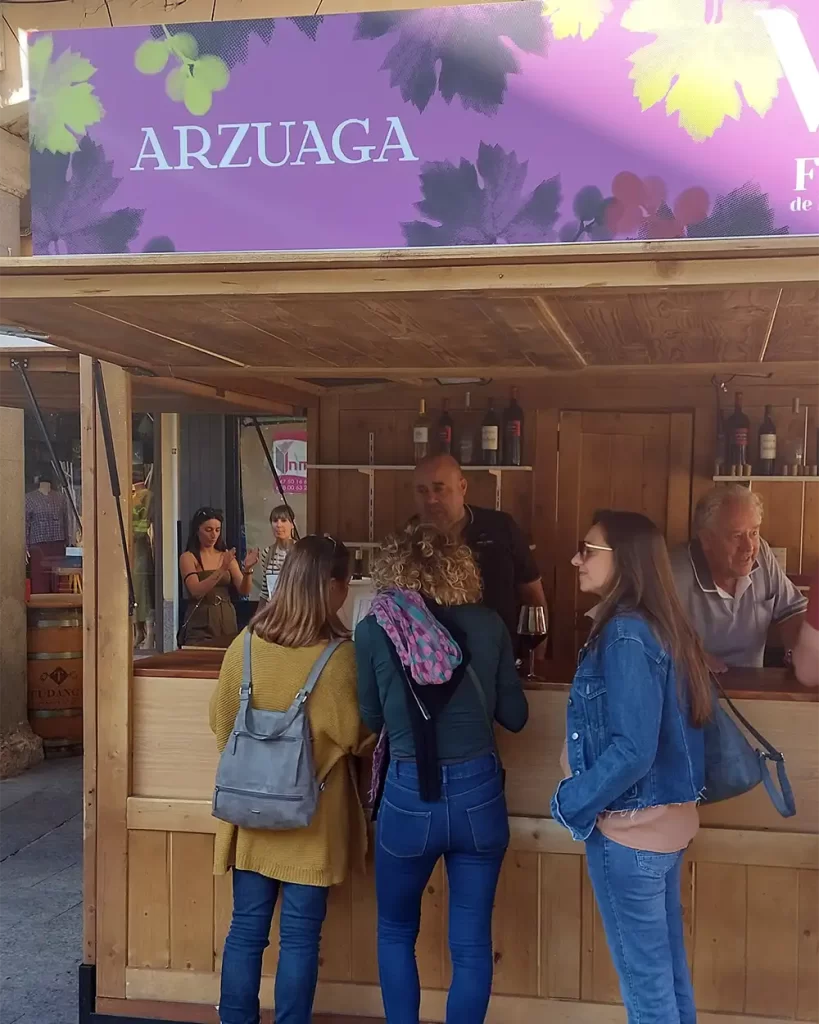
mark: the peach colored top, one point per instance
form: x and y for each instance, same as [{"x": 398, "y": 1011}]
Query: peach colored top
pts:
[{"x": 664, "y": 829}]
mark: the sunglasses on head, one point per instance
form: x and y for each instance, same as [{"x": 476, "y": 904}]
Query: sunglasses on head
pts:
[
  {"x": 208, "y": 513},
  {"x": 326, "y": 536},
  {"x": 584, "y": 549}
]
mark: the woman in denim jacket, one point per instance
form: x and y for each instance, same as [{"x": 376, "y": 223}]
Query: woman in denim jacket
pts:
[{"x": 634, "y": 759}]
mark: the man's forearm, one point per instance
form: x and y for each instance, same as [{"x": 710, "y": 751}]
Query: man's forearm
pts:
[
  {"x": 531, "y": 594},
  {"x": 786, "y": 633}
]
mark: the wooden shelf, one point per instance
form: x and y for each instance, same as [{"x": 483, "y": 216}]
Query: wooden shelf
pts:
[
  {"x": 765, "y": 479},
  {"x": 466, "y": 469}
]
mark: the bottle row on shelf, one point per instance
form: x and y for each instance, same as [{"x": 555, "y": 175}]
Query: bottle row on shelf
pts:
[
  {"x": 493, "y": 439},
  {"x": 773, "y": 455}
]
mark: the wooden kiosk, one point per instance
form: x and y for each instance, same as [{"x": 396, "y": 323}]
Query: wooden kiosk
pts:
[
  {"x": 613, "y": 348},
  {"x": 458, "y": 139}
]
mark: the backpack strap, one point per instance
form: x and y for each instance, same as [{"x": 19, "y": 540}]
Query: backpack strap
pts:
[
  {"x": 316, "y": 670},
  {"x": 473, "y": 675},
  {"x": 289, "y": 716},
  {"x": 245, "y": 688}
]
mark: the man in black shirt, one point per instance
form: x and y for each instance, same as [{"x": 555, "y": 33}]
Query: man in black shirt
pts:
[{"x": 510, "y": 574}]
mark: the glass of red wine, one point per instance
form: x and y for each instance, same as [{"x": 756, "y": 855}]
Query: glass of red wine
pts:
[{"x": 533, "y": 628}]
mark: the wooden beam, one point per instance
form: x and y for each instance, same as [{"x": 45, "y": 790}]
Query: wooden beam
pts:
[
  {"x": 522, "y": 278},
  {"x": 88, "y": 442},
  {"x": 180, "y": 386},
  {"x": 571, "y": 346},
  {"x": 108, "y": 622},
  {"x": 461, "y": 255},
  {"x": 769, "y": 331}
]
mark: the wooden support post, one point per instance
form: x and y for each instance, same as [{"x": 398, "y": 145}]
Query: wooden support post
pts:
[
  {"x": 108, "y": 669},
  {"x": 19, "y": 747}
]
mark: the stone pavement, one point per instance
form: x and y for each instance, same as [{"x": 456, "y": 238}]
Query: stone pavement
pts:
[{"x": 41, "y": 893}]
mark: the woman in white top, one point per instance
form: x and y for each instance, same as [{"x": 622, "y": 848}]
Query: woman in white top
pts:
[{"x": 274, "y": 556}]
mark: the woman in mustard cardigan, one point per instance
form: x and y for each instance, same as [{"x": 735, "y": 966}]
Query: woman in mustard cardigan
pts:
[{"x": 289, "y": 633}]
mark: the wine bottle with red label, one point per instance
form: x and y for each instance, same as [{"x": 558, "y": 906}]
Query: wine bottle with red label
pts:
[
  {"x": 767, "y": 444},
  {"x": 445, "y": 429},
  {"x": 420, "y": 433},
  {"x": 513, "y": 432},
  {"x": 490, "y": 436}
]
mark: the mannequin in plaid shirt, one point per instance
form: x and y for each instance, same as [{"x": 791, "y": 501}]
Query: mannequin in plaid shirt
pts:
[{"x": 47, "y": 531}]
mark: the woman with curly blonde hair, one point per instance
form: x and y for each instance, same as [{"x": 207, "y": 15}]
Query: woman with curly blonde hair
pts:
[{"x": 435, "y": 671}]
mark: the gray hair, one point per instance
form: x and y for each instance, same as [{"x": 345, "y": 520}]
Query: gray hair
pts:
[{"x": 711, "y": 504}]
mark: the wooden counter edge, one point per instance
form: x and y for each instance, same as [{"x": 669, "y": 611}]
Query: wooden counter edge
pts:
[
  {"x": 532, "y": 835},
  {"x": 740, "y": 684}
]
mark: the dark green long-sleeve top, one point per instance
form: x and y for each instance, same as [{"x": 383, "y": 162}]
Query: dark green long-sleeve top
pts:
[{"x": 462, "y": 729}]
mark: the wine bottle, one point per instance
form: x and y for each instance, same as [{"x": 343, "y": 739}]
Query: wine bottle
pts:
[
  {"x": 720, "y": 468},
  {"x": 738, "y": 424},
  {"x": 490, "y": 436},
  {"x": 466, "y": 434},
  {"x": 358, "y": 564},
  {"x": 513, "y": 432},
  {"x": 420, "y": 433},
  {"x": 445, "y": 429},
  {"x": 767, "y": 444}
]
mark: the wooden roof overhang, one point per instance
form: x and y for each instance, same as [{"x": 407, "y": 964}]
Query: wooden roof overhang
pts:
[
  {"x": 55, "y": 380},
  {"x": 290, "y": 327}
]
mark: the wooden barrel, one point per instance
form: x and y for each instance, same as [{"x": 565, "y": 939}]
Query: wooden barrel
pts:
[{"x": 55, "y": 672}]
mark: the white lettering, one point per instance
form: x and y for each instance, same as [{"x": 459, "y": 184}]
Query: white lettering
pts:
[
  {"x": 364, "y": 151},
  {"x": 796, "y": 60},
  {"x": 186, "y": 154},
  {"x": 803, "y": 175},
  {"x": 235, "y": 142},
  {"x": 155, "y": 152},
  {"x": 311, "y": 132},
  {"x": 261, "y": 141},
  {"x": 396, "y": 129}
]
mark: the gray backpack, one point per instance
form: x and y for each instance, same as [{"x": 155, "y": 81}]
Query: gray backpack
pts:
[{"x": 266, "y": 777}]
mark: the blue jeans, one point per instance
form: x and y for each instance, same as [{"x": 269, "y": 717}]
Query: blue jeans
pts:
[
  {"x": 469, "y": 828},
  {"x": 303, "y": 910},
  {"x": 639, "y": 898}
]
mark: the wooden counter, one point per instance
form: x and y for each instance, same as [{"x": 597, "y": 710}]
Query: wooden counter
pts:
[{"x": 751, "y": 885}]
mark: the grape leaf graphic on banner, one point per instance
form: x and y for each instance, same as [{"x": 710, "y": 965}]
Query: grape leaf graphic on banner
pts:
[
  {"x": 69, "y": 217},
  {"x": 483, "y": 203},
  {"x": 456, "y": 52},
  {"x": 230, "y": 40},
  {"x": 698, "y": 59},
  {"x": 194, "y": 79},
  {"x": 576, "y": 17},
  {"x": 63, "y": 102}
]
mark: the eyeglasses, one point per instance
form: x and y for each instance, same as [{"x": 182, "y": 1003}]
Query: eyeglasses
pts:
[{"x": 584, "y": 549}]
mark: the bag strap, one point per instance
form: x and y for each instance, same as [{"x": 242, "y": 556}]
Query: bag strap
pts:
[
  {"x": 783, "y": 801},
  {"x": 299, "y": 700},
  {"x": 473, "y": 675}
]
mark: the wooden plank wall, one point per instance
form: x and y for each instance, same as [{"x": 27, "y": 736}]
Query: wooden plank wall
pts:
[{"x": 752, "y": 931}]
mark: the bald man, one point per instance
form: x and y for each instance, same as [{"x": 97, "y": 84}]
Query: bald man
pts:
[{"x": 510, "y": 574}]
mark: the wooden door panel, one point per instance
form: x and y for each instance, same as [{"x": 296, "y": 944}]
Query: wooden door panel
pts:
[{"x": 640, "y": 462}]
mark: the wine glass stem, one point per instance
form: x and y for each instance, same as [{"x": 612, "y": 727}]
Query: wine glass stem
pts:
[{"x": 531, "y": 665}]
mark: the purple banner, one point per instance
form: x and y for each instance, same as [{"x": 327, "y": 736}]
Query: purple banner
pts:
[{"x": 526, "y": 122}]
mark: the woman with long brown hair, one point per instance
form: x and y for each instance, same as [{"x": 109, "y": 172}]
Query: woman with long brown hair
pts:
[
  {"x": 288, "y": 635},
  {"x": 634, "y": 761}
]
